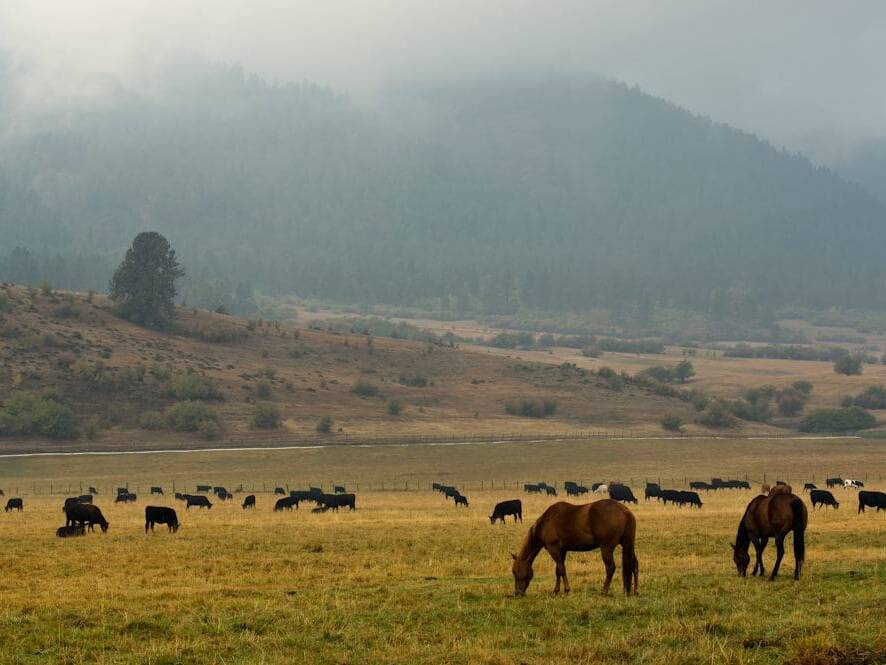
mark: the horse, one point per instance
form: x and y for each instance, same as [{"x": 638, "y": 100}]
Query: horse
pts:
[
  {"x": 772, "y": 516},
  {"x": 565, "y": 527}
]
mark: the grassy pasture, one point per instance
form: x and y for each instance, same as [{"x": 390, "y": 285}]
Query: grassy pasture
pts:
[{"x": 408, "y": 578}]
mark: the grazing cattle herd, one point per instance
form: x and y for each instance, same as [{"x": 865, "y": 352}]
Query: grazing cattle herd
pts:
[{"x": 603, "y": 524}]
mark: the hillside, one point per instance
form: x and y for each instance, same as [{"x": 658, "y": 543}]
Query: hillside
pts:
[
  {"x": 488, "y": 195},
  {"x": 71, "y": 348}
]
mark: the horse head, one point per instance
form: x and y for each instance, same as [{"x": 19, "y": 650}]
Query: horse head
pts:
[{"x": 522, "y": 570}]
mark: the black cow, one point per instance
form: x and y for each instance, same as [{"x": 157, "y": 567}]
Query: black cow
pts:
[
  {"x": 871, "y": 500},
  {"x": 809, "y": 486},
  {"x": 653, "y": 491},
  {"x": 157, "y": 490},
  {"x": 199, "y": 501},
  {"x": 70, "y": 501},
  {"x": 224, "y": 495},
  {"x": 339, "y": 489},
  {"x": 204, "y": 488},
  {"x": 85, "y": 498},
  {"x": 834, "y": 482},
  {"x": 126, "y": 497},
  {"x": 622, "y": 493},
  {"x": 86, "y": 514},
  {"x": 279, "y": 490},
  {"x": 14, "y": 504},
  {"x": 504, "y": 508},
  {"x": 70, "y": 531},
  {"x": 286, "y": 503},
  {"x": 670, "y": 495},
  {"x": 122, "y": 490},
  {"x": 318, "y": 490},
  {"x": 461, "y": 500},
  {"x": 574, "y": 489},
  {"x": 550, "y": 491},
  {"x": 700, "y": 485},
  {"x": 249, "y": 501},
  {"x": 690, "y": 498},
  {"x": 92, "y": 490},
  {"x": 436, "y": 487},
  {"x": 2, "y": 493},
  {"x": 449, "y": 492},
  {"x": 824, "y": 498},
  {"x": 531, "y": 489},
  {"x": 181, "y": 497},
  {"x": 336, "y": 501},
  {"x": 160, "y": 515}
]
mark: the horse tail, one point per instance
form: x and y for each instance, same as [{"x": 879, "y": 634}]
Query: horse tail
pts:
[
  {"x": 630, "y": 567},
  {"x": 799, "y": 513}
]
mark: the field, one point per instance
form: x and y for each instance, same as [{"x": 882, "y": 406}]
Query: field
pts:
[{"x": 408, "y": 578}]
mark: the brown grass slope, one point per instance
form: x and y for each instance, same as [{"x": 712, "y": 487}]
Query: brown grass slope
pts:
[{"x": 112, "y": 372}]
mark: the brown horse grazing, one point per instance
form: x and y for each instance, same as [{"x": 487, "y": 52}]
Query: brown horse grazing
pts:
[
  {"x": 565, "y": 527},
  {"x": 772, "y": 516}
]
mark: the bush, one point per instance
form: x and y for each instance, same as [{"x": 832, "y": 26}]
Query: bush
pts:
[
  {"x": 803, "y": 387},
  {"x": 324, "y": 425},
  {"x": 672, "y": 422},
  {"x": 849, "y": 365},
  {"x": 394, "y": 407},
  {"x": 27, "y": 414},
  {"x": 152, "y": 420},
  {"x": 717, "y": 416},
  {"x": 266, "y": 416},
  {"x": 873, "y": 397},
  {"x": 189, "y": 387},
  {"x": 755, "y": 411},
  {"x": 790, "y": 403},
  {"x": 683, "y": 371},
  {"x": 365, "y": 388},
  {"x": 414, "y": 380},
  {"x": 531, "y": 408},
  {"x": 187, "y": 416},
  {"x": 838, "y": 420},
  {"x": 263, "y": 390},
  {"x": 591, "y": 352},
  {"x": 209, "y": 429}
]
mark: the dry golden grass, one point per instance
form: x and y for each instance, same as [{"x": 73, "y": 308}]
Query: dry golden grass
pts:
[{"x": 408, "y": 578}]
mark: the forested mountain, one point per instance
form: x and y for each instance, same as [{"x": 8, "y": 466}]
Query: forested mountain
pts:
[{"x": 486, "y": 195}]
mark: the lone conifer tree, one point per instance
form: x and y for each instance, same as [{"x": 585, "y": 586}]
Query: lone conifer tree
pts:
[{"x": 144, "y": 283}]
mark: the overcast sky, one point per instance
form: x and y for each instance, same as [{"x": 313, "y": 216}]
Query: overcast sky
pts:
[{"x": 799, "y": 74}]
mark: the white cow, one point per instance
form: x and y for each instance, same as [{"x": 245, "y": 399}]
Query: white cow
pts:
[
  {"x": 849, "y": 483},
  {"x": 602, "y": 489}
]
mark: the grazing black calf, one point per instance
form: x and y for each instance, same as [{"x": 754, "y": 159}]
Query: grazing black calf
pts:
[
  {"x": 195, "y": 500},
  {"x": 224, "y": 495},
  {"x": 336, "y": 501},
  {"x": 339, "y": 489},
  {"x": 286, "y": 503},
  {"x": 160, "y": 515},
  {"x": 461, "y": 500},
  {"x": 86, "y": 514},
  {"x": 85, "y": 498},
  {"x": 700, "y": 485},
  {"x": 824, "y": 498},
  {"x": 157, "y": 490},
  {"x": 834, "y": 482},
  {"x": 504, "y": 508},
  {"x": 70, "y": 531},
  {"x": 550, "y": 491},
  {"x": 690, "y": 498},
  {"x": 279, "y": 490},
  {"x": 14, "y": 504},
  {"x": 622, "y": 493},
  {"x": 531, "y": 489},
  {"x": 249, "y": 501},
  {"x": 653, "y": 491},
  {"x": 809, "y": 486},
  {"x": 670, "y": 495},
  {"x": 204, "y": 488},
  {"x": 871, "y": 500},
  {"x": 125, "y": 497},
  {"x": 317, "y": 490}
]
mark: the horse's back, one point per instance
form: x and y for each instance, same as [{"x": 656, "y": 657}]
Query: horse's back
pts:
[
  {"x": 586, "y": 526},
  {"x": 775, "y": 513}
]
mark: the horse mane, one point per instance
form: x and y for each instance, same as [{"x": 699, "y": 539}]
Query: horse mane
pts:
[{"x": 530, "y": 547}]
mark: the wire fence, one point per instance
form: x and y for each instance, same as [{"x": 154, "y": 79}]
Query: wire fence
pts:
[{"x": 142, "y": 489}]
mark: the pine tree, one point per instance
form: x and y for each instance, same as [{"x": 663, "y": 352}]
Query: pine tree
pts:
[{"x": 144, "y": 283}]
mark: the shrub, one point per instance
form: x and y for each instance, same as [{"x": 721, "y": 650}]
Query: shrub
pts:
[
  {"x": 263, "y": 390},
  {"x": 717, "y": 416},
  {"x": 803, "y": 387},
  {"x": 849, "y": 365},
  {"x": 324, "y": 425},
  {"x": 755, "y": 411},
  {"x": 185, "y": 386},
  {"x": 606, "y": 372},
  {"x": 659, "y": 373},
  {"x": 683, "y": 371},
  {"x": 394, "y": 407},
  {"x": 187, "y": 416},
  {"x": 46, "y": 288},
  {"x": 592, "y": 351},
  {"x": 873, "y": 397},
  {"x": 28, "y": 414},
  {"x": 414, "y": 380},
  {"x": 365, "y": 388},
  {"x": 838, "y": 420},
  {"x": 790, "y": 403},
  {"x": 152, "y": 420},
  {"x": 528, "y": 408},
  {"x": 266, "y": 416},
  {"x": 209, "y": 429},
  {"x": 672, "y": 422}
]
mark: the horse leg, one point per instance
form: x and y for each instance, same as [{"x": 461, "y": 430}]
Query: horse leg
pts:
[
  {"x": 609, "y": 562},
  {"x": 779, "y": 549},
  {"x": 562, "y": 566},
  {"x": 559, "y": 568},
  {"x": 759, "y": 546}
]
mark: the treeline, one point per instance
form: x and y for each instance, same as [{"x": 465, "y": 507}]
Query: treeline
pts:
[{"x": 501, "y": 194}]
